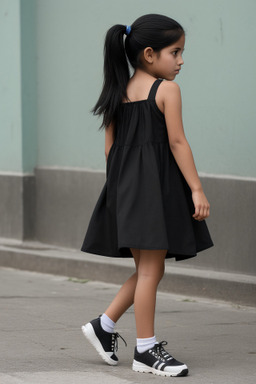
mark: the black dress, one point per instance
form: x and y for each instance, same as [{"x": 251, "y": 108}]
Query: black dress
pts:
[{"x": 145, "y": 202}]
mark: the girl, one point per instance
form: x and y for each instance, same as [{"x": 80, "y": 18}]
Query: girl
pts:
[{"x": 152, "y": 205}]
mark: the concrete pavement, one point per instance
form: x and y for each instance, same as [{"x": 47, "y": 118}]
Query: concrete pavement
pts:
[
  {"x": 41, "y": 340},
  {"x": 179, "y": 277}
]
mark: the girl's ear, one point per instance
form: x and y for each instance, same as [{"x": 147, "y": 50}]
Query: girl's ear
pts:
[{"x": 148, "y": 54}]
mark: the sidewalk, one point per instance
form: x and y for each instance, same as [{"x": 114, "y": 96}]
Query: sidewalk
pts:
[
  {"x": 41, "y": 340},
  {"x": 179, "y": 278}
]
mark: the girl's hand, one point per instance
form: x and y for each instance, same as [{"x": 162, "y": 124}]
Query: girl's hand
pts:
[{"x": 202, "y": 206}]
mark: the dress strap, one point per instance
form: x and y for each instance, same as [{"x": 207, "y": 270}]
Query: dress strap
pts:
[{"x": 153, "y": 90}]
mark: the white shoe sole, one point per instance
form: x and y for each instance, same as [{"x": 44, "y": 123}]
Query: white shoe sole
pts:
[
  {"x": 181, "y": 370},
  {"x": 89, "y": 333}
]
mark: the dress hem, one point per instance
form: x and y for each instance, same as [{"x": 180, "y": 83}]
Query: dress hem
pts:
[{"x": 177, "y": 255}]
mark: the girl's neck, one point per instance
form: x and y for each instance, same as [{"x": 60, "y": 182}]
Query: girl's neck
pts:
[
  {"x": 142, "y": 75},
  {"x": 139, "y": 85}
]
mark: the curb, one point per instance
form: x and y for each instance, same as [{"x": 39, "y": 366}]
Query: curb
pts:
[{"x": 32, "y": 256}]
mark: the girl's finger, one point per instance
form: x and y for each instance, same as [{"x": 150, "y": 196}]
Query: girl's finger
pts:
[
  {"x": 197, "y": 210},
  {"x": 204, "y": 213},
  {"x": 195, "y": 215}
]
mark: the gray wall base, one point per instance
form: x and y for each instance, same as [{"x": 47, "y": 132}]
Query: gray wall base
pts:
[
  {"x": 232, "y": 225},
  {"x": 65, "y": 200},
  {"x": 64, "y": 204},
  {"x": 17, "y": 206},
  {"x": 55, "y": 207}
]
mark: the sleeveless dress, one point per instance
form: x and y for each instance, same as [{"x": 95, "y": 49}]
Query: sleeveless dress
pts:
[{"x": 145, "y": 203}]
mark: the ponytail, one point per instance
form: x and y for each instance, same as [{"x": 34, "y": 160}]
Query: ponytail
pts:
[
  {"x": 153, "y": 30},
  {"x": 116, "y": 75}
]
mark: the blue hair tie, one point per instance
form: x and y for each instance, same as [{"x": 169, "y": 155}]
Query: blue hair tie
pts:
[{"x": 128, "y": 29}]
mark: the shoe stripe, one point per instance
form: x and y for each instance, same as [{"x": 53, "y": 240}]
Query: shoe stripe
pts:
[
  {"x": 158, "y": 364},
  {"x": 161, "y": 366}
]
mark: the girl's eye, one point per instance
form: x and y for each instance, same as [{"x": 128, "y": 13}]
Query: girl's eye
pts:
[{"x": 175, "y": 53}]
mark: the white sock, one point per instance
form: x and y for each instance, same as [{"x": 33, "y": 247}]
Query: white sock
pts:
[
  {"x": 145, "y": 344},
  {"x": 107, "y": 324}
]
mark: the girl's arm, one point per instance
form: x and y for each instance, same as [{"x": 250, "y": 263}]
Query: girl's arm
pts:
[
  {"x": 109, "y": 139},
  {"x": 181, "y": 149}
]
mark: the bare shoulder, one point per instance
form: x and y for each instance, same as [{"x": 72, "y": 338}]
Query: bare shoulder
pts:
[
  {"x": 169, "y": 89},
  {"x": 169, "y": 93}
]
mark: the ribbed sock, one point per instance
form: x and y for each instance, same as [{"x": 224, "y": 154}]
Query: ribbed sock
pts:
[
  {"x": 145, "y": 344},
  {"x": 107, "y": 324}
]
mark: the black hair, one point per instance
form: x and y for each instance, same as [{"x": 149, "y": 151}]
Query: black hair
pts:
[{"x": 155, "y": 31}]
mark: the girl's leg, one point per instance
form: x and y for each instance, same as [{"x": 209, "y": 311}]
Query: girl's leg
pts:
[
  {"x": 100, "y": 332},
  {"x": 125, "y": 297},
  {"x": 150, "y": 356},
  {"x": 150, "y": 271},
  {"x": 123, "y": 300}
]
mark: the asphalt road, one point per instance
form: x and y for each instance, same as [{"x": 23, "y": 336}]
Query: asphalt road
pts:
[{"x": 41, "y": 339}]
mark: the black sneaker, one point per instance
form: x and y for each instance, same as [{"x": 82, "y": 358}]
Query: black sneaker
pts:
[
  {"x": 159, "y": 362},
  {"x": 104, "y": 342}
]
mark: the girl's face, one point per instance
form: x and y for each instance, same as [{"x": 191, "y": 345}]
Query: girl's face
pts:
[{"x": 167, "y": 63}]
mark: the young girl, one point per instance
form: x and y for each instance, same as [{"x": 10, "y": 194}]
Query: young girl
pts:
[{"x": 152, "y": 206}]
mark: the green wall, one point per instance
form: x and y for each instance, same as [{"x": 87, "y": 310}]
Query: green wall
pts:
[
  {"x": 10, "y": 88},
  {"x": 18, "y": 132},
  {"x": 28, "y": 84},
  {"x": 50, "y": 79}
]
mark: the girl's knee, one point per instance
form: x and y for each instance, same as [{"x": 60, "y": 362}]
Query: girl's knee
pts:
[
  {"x": 149, "y": 264},
  {"x": 154, "y": 271}
]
